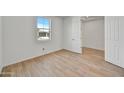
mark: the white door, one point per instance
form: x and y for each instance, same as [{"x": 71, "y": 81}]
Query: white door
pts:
[
  {"x": 114, "y": 40},
  {"x": 76, "y": 35}
]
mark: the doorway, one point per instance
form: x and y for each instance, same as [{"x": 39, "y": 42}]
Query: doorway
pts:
[{"x": 92, "y": 35}]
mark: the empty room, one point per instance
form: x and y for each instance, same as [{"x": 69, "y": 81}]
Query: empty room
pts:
[{"x": 61, "y": 46}]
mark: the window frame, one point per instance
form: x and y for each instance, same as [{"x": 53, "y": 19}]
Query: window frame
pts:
[{"x": 39, "y": 38}]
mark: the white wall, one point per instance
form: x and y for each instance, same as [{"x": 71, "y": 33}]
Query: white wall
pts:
[
  {"x": 20, "y": 42},
  {"x": 0, "y": 44},
  {"x": 67, "y": 36},
  {"x": 93, "y": 34}
]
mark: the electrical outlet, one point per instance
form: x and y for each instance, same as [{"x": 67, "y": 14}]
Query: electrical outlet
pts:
[{"x": 43, "y": 49}]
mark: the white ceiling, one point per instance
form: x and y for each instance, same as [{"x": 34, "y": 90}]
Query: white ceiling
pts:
[
  {"x": 91, "y": 18},
  {"x": 86, "y": 18}
]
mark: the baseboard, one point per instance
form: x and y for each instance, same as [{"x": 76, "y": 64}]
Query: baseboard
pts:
[
  {"x": 1, "y": 69},
  {"x": 67, "y": 49},
  {"x": 94, "y": 48},
  {"x": 29, "y": 58}
]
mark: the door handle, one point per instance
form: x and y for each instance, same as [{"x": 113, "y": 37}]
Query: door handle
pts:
[{"x": 73, "y": 39}]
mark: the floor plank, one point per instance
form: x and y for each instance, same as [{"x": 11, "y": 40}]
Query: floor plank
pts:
[{"x": 64, "y": 63}]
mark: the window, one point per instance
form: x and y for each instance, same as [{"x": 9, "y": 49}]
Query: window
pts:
[{"x": 44, "y": 28}]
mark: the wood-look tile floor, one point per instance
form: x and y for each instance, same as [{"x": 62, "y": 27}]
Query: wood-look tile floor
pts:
[{"x": 64, "y": 63}]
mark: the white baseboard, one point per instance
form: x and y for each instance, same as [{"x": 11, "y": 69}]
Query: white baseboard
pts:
[
  {"x": 1, "y": 69},
  {"x": 28, "y": 58}
]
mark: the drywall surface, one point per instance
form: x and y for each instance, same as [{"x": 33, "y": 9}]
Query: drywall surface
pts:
[
  {"x": 67, "y": 35},
  {"x": 93, "y": 34},
  {"x": 20, "y": 38},
  {"x": 1, "y": 44}
]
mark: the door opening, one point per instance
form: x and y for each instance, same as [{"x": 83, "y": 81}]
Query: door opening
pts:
[{"x": 92, "y": 35}]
